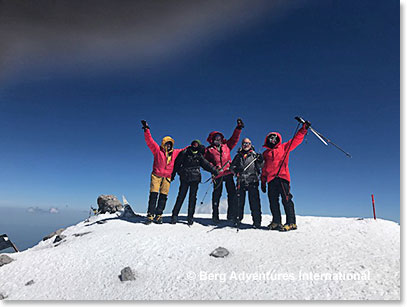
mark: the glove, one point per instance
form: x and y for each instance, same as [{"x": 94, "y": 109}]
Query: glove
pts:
[
  {"x": 307, "y": 124},
  {"x": 263, "y": 187},
  {"x": 215, "y": 172},
  {"x": 172, "y": 176},
  {"x": 145, "y": 125},
  {"x": 240, "y": 124},
  {"x": 260, "y": 158}
]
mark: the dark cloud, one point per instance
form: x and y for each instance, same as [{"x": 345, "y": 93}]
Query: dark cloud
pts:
[{"x": 101, "y": 33}]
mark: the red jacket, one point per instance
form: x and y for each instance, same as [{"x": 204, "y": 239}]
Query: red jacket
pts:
[
  {"x": 219, "y": 157},
  {"x": 273, "y": 157},
  {"x": 163, "y": 161}
]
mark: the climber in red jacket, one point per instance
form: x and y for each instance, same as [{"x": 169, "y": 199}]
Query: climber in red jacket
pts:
[
  {"x": 218, "y": 153},
  {"x": 164, "y": 157},
  {"x": 275, "y": 173}
]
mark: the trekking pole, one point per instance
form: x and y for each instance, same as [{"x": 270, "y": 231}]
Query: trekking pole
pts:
[
  {"x": 220, "y": 171},
  {"x": 207, "y": 190},
  {"x": 322, "y": 138},
  {"x": 245, "y": 169},
  {"x": 288, "y": 150},
  {"x": 238, "y": 202},
  {"x": 374, "y": 210}
]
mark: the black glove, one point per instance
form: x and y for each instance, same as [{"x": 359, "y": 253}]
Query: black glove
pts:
[
  {"x": 215, "y": 172},
  {"x": 240, "y": 124},
  {"x": 145, "y": 126},
  {"x": 260, "y": 157},
  {"x": 307, "y": 124},
  {"x": 263, "y": 187}
]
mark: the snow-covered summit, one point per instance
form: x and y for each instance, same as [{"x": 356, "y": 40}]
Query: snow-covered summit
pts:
[{"x": 326, "y": 258}]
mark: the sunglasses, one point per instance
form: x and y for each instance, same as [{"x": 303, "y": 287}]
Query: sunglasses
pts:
[{"x": 246, "y": 143}]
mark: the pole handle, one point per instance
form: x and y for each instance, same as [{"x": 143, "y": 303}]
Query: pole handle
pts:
[{"x": 300, "y": 119}]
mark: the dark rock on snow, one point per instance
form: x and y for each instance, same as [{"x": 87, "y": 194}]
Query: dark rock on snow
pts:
[
  {"x": 29, "y": 283},
  {"x": 59, "y": 238},
  {"x": 2, "y": 296},
  {"x": 127, "y": 274},
  {"x": 220, "y": 252},
  {"x": 55, "y": 233},
  {"x": 109, "y": 204},
  {"x": 81, "y": 234},
  {"x": 4, "y": 259}
]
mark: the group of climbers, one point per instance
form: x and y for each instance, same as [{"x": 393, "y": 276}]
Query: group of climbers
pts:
[{"x": 249, "y": 167}]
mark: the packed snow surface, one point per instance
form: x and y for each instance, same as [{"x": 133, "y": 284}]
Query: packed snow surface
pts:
[{"x": 324, "y": 259}]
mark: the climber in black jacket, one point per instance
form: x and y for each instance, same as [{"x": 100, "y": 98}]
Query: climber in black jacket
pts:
[
  {"x": 187, "y": 165},
  {"x": 246, "y": 166}
]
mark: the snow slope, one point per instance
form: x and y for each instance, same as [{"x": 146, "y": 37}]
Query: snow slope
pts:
[{"x": 173, "y": 262}]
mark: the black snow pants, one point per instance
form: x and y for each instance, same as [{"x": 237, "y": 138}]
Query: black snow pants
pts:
[
  {"x": 182, "y": 193},
  {"x": 232, "y": 199},
  {"x": 277, "y": 187},
  {"x": 153, "y": 206},
  {"x": 254, "y": 201}
]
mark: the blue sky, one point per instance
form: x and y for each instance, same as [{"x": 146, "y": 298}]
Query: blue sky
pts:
[{"x": 70, "y": 129}]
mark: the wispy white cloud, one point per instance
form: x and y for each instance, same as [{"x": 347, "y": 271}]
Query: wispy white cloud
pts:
[{"x": 41, "y": 210}]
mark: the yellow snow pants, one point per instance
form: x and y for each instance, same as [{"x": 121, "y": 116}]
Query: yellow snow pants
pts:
[{"x": 160, "y": 184}]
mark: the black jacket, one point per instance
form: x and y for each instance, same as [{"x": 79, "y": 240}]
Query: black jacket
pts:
[
  {"x": 252, "y": 173},
  {"x": 188, "y": 164}
]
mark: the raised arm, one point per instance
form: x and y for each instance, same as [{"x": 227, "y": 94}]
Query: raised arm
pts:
[
  {"x": 232, "y": 142},
  {"x": 149, "y": 139},
  {"x": 297, "y": 139}
]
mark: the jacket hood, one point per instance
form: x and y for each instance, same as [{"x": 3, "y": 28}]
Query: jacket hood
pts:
[
  {"x": 280, "y": 139},
  {"x": 212, "y": 134},
  {"x": 167, "y": 139}
]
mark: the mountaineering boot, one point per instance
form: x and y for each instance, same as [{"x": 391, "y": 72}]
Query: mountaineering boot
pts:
[
  {"x": 158, "y": 219},
  {"x": 215, "y": 219},
  {"x": 288, "y": 227},
  {"x": 150, "y": 219},
  {"x": 276, "y": 226},
  {"x": 190, "y": 222},
  {"x": 174, "y": 220},
  {"x": 257, "y": 223}
]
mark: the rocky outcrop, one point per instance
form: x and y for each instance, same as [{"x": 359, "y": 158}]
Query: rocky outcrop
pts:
[
  {"x": 109, "y": 204},
  {"x": 59, "y": 238},
  {"x": 55, "y": 233},
  {"x": 4, "y": 259}
]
